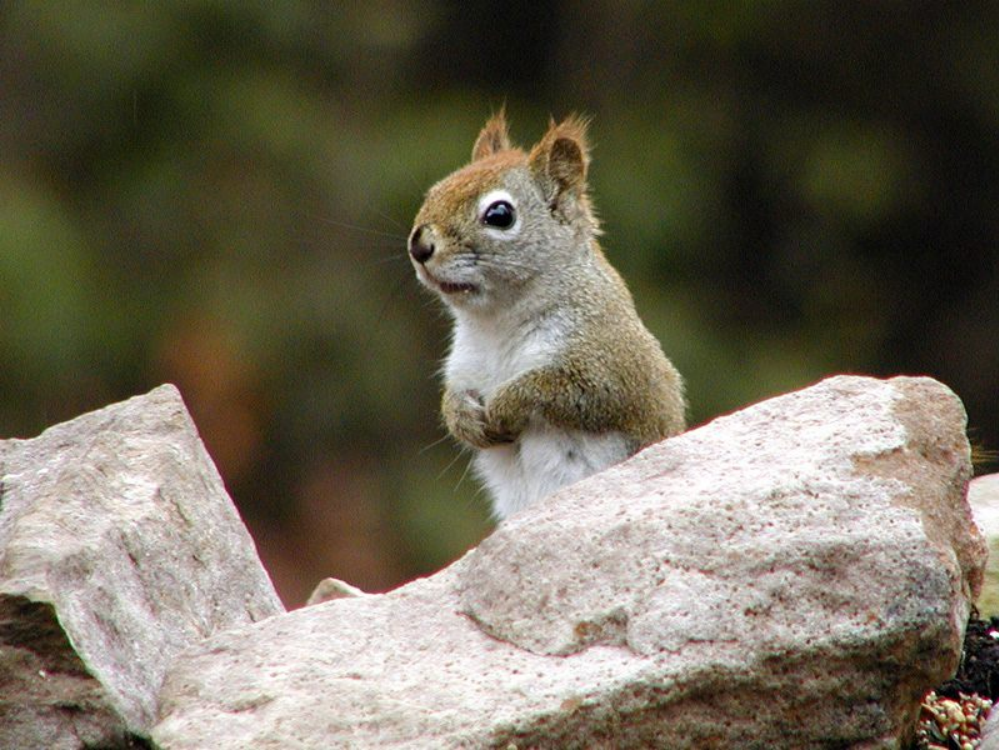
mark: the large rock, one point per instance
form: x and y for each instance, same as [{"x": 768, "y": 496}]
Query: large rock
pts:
[
  {"x": 794, "y": 575},
  {"x": 118, "y": 548}
]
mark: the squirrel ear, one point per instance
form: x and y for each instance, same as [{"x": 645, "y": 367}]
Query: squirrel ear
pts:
[
  {"x": 493, "y": 138},
  {"x": 560, "y": 159}
]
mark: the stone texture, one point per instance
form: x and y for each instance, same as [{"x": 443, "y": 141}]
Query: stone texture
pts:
[
  {"x": 329, "y": 589},
  {"x": 794, "y": 575},
  {"x": 990, "y": 732},
  {"x": 118, "y": 548},
  {"x": 983, "y": 497}
]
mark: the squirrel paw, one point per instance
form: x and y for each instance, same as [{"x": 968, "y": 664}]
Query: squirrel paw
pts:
[
  {"x": 465, "y": 417},
  {"x": 505, "y": 414}
]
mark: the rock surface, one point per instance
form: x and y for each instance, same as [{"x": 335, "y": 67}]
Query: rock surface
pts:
[
  {"x": 329, "y": 589},
  {"x": 983, "y": 497},
  {"x": 118, "y": 548},
  {"x": 795, "y": 575}
]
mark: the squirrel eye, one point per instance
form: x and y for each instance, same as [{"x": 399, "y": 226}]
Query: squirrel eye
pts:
[{"x": 499, "y": 214}]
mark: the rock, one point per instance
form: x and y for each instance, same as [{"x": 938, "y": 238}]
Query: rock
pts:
[
  {"x": 983, "y": 497},
  {"x": 794, "y": 575},
  {"x": 329, "y": 589},
  {"x": 118, "y": 548},
  {"x": 990, "y": 732}
]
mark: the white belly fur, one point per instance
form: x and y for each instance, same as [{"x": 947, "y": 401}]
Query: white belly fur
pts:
[
  {"x": 544, "y": 459},
  {"x": 484, "y": 355}
]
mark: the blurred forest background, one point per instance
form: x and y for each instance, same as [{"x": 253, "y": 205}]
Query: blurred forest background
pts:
[{"x": 217, "y": 193}]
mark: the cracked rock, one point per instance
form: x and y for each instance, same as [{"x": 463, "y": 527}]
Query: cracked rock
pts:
[
  {"x": 795, "y": 575},
  {"x": 118, "y": 548}
]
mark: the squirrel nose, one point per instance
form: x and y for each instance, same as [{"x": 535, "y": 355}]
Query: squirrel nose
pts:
[{"x": 421, "y": 245}]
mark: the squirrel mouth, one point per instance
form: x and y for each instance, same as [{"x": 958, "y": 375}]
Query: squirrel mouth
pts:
[{"x": 449, "y": 287}]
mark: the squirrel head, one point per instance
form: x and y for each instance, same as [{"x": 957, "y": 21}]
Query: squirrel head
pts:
[{"x": 506, "y": 219}]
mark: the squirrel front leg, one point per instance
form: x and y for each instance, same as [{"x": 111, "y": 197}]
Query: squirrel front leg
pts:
[
  {"x": 550, "y": 392},
  {"x": 465, "y": 417},
  {"x": 557, "y": 394}
]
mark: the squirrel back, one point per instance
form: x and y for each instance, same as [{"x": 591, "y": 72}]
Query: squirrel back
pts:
[{"x": 551, "y": 374}]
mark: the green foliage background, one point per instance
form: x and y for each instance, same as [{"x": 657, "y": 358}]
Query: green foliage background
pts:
[{"x": 217, "y": 194}]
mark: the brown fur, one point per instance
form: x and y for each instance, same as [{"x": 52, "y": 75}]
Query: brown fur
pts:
[{"x": 606, "y": 373}]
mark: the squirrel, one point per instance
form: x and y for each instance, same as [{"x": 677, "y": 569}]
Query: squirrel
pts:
[{"x": 551, "y": 374}]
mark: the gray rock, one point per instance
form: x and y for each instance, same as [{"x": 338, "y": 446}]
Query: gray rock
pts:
[
  {"x": 983, "y": 497},
  {"x": 795, "y": 575},
  {"x": 329, "y": 589},
  {"x": 118, "y": 548},
  {"x": 990, "y": 732}
]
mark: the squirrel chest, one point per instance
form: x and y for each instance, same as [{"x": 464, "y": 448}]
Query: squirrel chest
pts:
[
  {"x": 551, "y": 375},
  {"x": 544, "y": 457},
  {"x": 485, "y": 354}
]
